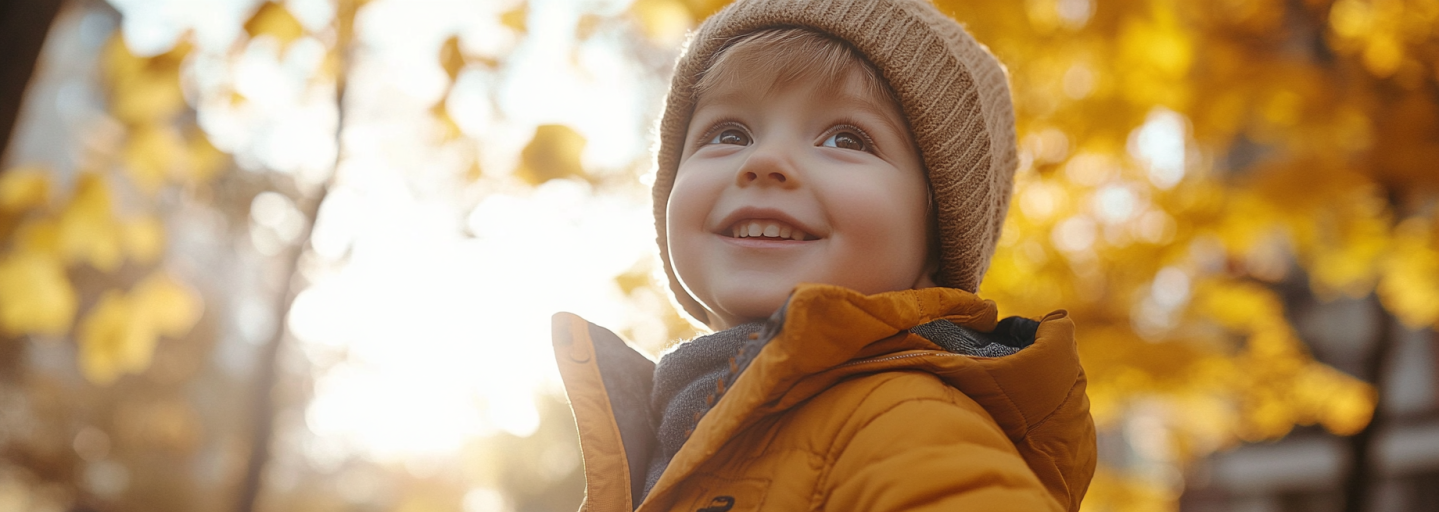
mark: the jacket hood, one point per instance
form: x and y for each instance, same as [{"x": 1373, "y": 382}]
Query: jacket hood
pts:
[{"x": 823, "y": 335}]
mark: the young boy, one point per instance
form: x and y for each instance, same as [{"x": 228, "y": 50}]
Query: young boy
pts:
[{"x": 832, "y": 180}]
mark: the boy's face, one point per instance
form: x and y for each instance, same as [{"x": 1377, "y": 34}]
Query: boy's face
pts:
[{"x": 800, "y": 182}]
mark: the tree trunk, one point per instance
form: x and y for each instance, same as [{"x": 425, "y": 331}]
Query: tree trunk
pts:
[
  {"x": 262, "y": 401},
  {"x": 263, "y": 405},
  {"x": 1363, "y": 472},
  {"x": 23, "y": 26}
]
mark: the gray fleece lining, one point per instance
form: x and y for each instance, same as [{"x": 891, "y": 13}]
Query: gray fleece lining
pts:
[
  {"x": 963, "y": 340},
  {"x": 628, "y": 377}
]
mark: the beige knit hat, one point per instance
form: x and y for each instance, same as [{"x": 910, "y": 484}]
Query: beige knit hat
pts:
[{"x": 952, "y": 90}]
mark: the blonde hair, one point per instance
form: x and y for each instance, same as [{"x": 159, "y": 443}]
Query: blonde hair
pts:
[{"x": 788, "y": 54}]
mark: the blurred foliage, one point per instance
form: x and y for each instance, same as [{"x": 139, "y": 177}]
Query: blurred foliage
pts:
[
  {"x": 1182, "y": 163},
  {"x": 272, "y": 19},
  {"x": 553, "y": 153},
  {"x": 119, "y": 334},
  {"x": 84, "y": 275},
  {"x": 49, "y": 227},
  {"x": 1296, "y": 134}
]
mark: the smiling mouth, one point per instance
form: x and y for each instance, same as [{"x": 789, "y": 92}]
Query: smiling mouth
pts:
[{"x": 766, "y": 229}]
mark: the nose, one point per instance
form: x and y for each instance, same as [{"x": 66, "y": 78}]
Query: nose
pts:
[{"x": 766, "y": 168}]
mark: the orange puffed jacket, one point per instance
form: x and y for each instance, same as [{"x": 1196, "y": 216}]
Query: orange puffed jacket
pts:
[{"x": 844, "y": 409}]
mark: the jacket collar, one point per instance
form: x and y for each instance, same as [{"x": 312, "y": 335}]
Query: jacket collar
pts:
[
  {"x": 823, "y": 335},
  {"x": 828, "y": 333}
]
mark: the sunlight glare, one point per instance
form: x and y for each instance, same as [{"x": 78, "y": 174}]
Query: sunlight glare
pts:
[
  {"x": 1160, "y": 144},
  {"x": 447, "y": 337},
  {"x": 152, "y": 27},
  {"x": 426, "y": 319}
]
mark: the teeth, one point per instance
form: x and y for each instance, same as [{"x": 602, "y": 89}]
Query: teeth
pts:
[{"x": 767, "y": 229}]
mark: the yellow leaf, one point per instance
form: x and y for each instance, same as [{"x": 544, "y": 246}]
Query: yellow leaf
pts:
[
  {"x": 1043, "y": 14},
  {"x": 516, "y": 18},
  {"x": 554, "y": 153},
  {"x": 1239, "y": 306},
  {"x": 451, "y": 58},
  {"x": 1113, "y": 490},
  {"x": 41, "y": 236},
  {"x": 144, "y": 89},
  {"x": 1269, "y": 418},
  {"x": 665, "y": 21},
  {"x": 449, "y": 129},
  {"x": 35, "y": 295},
  {"x": 146, "y": 98},
  {"x": 1283, "y": 108},
  {"x": 633, "y": 279},
  {"x": 87, "y": 230},
  {"x": 1350, "y": 18},
  {"x": 1161, "y": 45},
  {"x": 272, "y": 19},
  {"x": 169, "y": 63},
  {"x": 23, "y": 188},
  {"x": 170, "y": 307},
  {"x": 151, "y": 155},
  {"x": 474, "y": 172},
  {"x": 1409, "y": 281},
  {"x": 143, "y": 238},
  {"x": 1350, "y": 407},
  {"x": 1383, "y": 55},
  {"x": 119, "y": 333},
  {"x": 701, "y": 9},
  {"x": 118, "y": 62},
  {"x": 114, "y": 340},
  {"x": 1349, "y": 262}
]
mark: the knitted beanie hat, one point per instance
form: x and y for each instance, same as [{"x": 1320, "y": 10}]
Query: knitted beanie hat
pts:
[{"x": 951, "y": 89}]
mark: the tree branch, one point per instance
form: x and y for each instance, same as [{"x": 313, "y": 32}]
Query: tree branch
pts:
[{"x": 263, "y": 402}]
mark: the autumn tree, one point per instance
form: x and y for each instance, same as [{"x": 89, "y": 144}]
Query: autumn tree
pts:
[
  {"x": 1182, "y": 163},
  {"x": 1185, "y": 167}
]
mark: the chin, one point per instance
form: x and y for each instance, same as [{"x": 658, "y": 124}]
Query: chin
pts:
[{"x": 743, "y": 304}]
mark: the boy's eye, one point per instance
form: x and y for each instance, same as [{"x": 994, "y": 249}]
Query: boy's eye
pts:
[
  {"x": 731, "y": 136},
  {"x": 845, "y": 140}
]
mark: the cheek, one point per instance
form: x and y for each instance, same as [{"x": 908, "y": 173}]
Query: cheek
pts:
[
  {"x": 689, "y": 204},
  {"x": 888, "y": 216}
]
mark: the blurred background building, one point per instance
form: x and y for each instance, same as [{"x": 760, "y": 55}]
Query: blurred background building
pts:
[
  {"x": 1307, "y": 469},
  {"x": 301, "y": 254}
]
